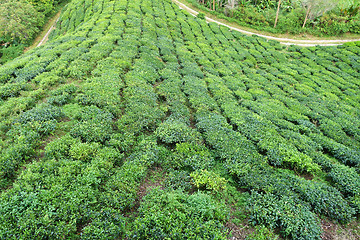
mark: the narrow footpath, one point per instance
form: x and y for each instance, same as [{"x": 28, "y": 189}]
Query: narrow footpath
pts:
[
  {"x": 43, "y": 36},
  {"x": 46, "y": 37}
]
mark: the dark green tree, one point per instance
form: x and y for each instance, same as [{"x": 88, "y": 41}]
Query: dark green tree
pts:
[
  {"x": 19, "y": 20},
  {"x": 43, "y": 6}
]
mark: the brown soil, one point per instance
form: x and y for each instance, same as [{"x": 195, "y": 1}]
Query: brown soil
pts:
[
  {"x": 334, "y": 231},
  {"x": 238, "y": 232},
  {"x": 149, "y": 184}
]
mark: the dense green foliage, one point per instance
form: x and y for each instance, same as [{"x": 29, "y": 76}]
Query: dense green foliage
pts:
[
  {"x": 175, "y": 215},
  {"x": 325, "y": 18},
  {"x": 294, "y": 219},
  {"x": 140, "y": 121},
  {"x": 20, "y": 21}
]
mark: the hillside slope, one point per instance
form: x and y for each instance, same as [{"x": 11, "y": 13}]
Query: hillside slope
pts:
[{"x": 140, "y": 121}]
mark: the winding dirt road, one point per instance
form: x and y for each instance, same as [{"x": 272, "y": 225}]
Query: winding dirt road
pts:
[
  {"x": 46, "y": 37},
  {"x": 286, "y": 41}
]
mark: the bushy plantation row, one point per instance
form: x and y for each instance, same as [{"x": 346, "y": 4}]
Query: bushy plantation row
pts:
[{"x": 129, "y": 90}]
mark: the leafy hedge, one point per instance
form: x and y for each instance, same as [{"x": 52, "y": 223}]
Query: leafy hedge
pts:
[
  {"x": 177, "y": 215},
  {"x": 294, "y": 218}
]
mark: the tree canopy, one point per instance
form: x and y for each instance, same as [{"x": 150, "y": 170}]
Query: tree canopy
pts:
[{"x": 19, "y": 20}]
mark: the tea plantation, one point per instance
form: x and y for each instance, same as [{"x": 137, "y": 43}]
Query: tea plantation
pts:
[{"x": 139, "y": 121}]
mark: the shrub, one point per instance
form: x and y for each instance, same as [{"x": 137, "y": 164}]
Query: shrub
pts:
[
  {"x": 208, "y": 180},
  {"x": 11, "y": 90},
  {"x": 11, "y": 52},
  {"x": 93, "y": 125},
  {"x": 63, "y": 95},
  {"x": 355, "y": 203},
  {"x": 191, "y": 156},
  {"x": 60, "y": 147},
  {"x": 176, "y": 131},
  {"x": 144, "y": 77},
  {"x": 121, "y": 189},
  {"x": 122, "y": 141},
  {"x": 249, "y": 15},
  {"x": 177, "y": 215},
  {"x": 44, "y": 213},
  {"x": 291, "y": 22},
  {"x": 179, "y": 180},
  {"x": 320, "y": 197},
  {"x": 325, "y": 199},
  {"x": 48, "y": 79},
  {"x": 16, "y": 154},
  {"x": 108, "y": 224},
  {"x": 262, "y": 233},
  {"x": 346, "y": 155},
  {"x": 294, "y": 218},
  {"x": 42, "y": 118},
  {"x": 201, "y": 16},
  {"x": 345, "y": 179},
  {"x": 83, "y": 151}
]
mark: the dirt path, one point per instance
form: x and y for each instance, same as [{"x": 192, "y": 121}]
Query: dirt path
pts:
[
  {"x": 286, "y": 41},
  {"x": 41, "y": 38},
  {"x": 46, "y": 37}
]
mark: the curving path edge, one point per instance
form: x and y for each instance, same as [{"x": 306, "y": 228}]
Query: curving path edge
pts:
[
  {"x": 46, "y": 37},
  {"x": 286, "y": 41}
]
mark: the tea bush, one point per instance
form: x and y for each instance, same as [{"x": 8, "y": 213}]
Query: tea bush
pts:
[
  {"x": 175, "y": 131},
  {"x": 295, "y": 219},
  {"x": 176, "y": 215},
  {"x": 93, "y": 125}
]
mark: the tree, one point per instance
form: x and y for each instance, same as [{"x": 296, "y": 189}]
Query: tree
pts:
[
  {"x": 316, "y": 8},
  {"x": 230, "y": 6},
  {"x": 19, "y": 20},
  {"x": 308, "y": 5},
  {"x": 43, "y": 6},
  {"x": 277, "y": 13}
]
